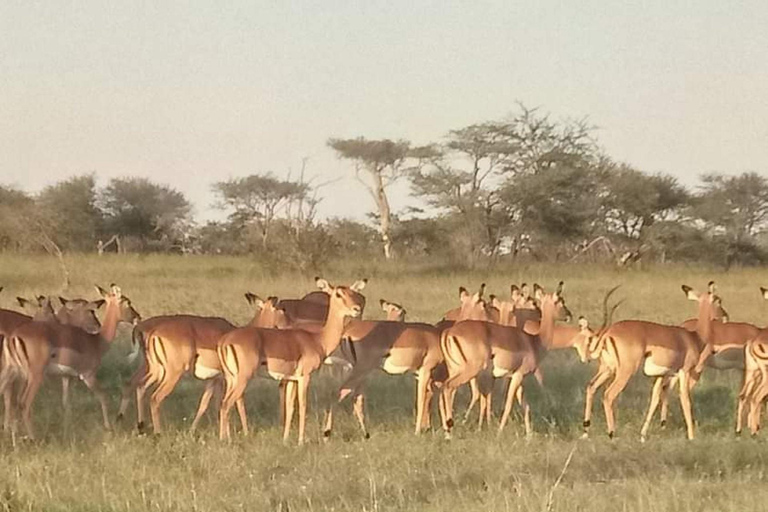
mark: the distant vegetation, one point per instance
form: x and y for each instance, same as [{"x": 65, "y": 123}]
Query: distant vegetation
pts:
[{"x": 525, "y": 187}]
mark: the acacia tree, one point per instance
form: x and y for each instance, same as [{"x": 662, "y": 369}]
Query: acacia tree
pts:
[
  {"x": 258, "y": 199},
  {"x": 384, "y": 162}
]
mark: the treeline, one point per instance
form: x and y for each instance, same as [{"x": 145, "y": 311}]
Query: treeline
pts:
[{"x": 526, "y": 186}]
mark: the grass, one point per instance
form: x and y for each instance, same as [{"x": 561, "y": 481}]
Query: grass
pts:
[{"x": 78, "y": 466}]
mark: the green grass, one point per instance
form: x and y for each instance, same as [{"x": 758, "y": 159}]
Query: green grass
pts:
[{"x": 78, "y": 466}]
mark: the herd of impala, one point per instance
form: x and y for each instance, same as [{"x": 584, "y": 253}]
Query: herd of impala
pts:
[{"x": 289, "y": 340}]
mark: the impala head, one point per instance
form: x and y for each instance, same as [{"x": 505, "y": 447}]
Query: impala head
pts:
[
  {"x": 710, "y": 301},
  {"x": 80, "y": 313},
  {"x": 554, "y": 301},
  {"x": 266, "y": 313},
  {"x": 114, "y": 298},
  {"x": 394, "y": 311},
  {"x": 346, "y": 299},
  {"x": 586, "y": 343},
  {"x": 355, "y": 288},
  {"x": 40, "y": 309},
  {"x": 473, "y": 307}
]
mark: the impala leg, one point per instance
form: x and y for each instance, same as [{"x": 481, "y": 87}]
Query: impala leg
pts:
[
  {"x": 609, "y": 398},
  {"x": 359, "y": 409},
  {"x": 526, "y": 410},
  {"x": 290, "y": 404},
  {"x": 166, "y": 386},
  {"x": 473, "y": 386},
  {"x": 670, "y": 384},
  {"x": 281, "y": 386},
  {"x": 600, "y": 378},
  {"x": 8, "y": 409},
  {"x": 745, "y": 394},
  {"x": 34, "y": 381},
  {"x": 147, "y": 381},
  {"x": 302, "y": 385},
  {"x": 685, "y": 401},
  {"x": 658, "y": 385},
  {"x": 484, "y": 386},
  {"x": 426, "y": 422},
  {"x": 137, "y": 378},
  {"x": 243, "y": 415},
  {"x": 514, "y": 383},
  {"x": 756, "y": 406},
  {"x": 422, "y": 382},
  {"x": 205, "y": 400},
  {"x": 93, "y": 385}
]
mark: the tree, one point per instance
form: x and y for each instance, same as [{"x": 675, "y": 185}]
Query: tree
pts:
[
  {"x": 152, "y": 215},
  {"x": 16, "y": 222},
  {"x": 634, "y": 201},
  {"x": 384, "y": 161},
  {"x": 256, "y": 200},
  {"x": 74, "y": 217}
]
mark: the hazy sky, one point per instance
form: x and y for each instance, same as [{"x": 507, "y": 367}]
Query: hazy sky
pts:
[{"x": 188, "y": 93}]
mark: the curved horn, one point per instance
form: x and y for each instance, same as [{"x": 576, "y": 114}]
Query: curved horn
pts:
[{"x": 606, "y": 314}]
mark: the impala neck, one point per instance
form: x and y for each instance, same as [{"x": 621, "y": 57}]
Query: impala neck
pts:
[
  {"x": 333, "y": 329},
  {"x": 546, "y": 331},
  {"x": 564, "y": 336},
  {"x": 704, "y": 322},
  {"x": 108, "y": 329}
]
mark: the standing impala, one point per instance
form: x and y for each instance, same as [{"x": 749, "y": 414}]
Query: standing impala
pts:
[
  {"x": 291, "y": 355},
  {"x": 177, "y": 344},
  {"x": 37, "y": 347},
  {"x": 394, "y": 346},
  {"x": 754, "y": 389},
  {"x": 662, "y": 350},
  {"x": 476, "y": 348}
]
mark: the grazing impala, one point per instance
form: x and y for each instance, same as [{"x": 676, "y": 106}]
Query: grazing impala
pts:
[
  {"x": 393, "y": 346},
  {"x": 291, "y": 355},
  {"x": 37, "y": 347},
  {"x": 662, "y": 350},
  {"x": 476, "y": 348},
  {"x": 175, "y": 345}
]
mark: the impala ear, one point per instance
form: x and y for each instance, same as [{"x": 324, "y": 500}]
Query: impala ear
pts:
[
  {"x": 560, "y": 287},
  {"x": 358, "y": 285},
  {"x": 101, "y": 291},
  {"x": 525, "y": 290},
  {"x": 495, "y": 302},
  {"x": 273, "y": 301},
  {"x": 115, "y": 290},
  {"x": 690, "y": 293},
  {"x": 481, "y": 291},
  {"x": 24, "y": 302},
  {"x": 764, "y": 291},
  {"x": 583, "y": 323},
  {"x": 95, "y": 304},
  {"x": 41, "y": 299},
  {"x": 323, "y": 285},
  {"x": 250, "y": 297},
  {"x": 514, "y": 292},
  {"x": 384, "y": 305},
  {"x": 711, "y": 288},
  {"x": 463, "y": 293}
]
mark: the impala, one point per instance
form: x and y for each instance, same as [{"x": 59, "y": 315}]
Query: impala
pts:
[
  {"x": 726, "y": 339},
  {"x": 291, "y": 355},
  {"x": 313, "y": 307},
  {"x": 662, "y": 350},
  {"x": 754, "y": 389},
  {"x": 37, "y": 347},
  {"x": 476, "y": 348},
  {"x": 175, "y": 345},
  {"x": 395, "y": 347}
]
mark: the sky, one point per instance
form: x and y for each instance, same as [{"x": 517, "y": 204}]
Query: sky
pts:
[{"x": 188, "y": 93}]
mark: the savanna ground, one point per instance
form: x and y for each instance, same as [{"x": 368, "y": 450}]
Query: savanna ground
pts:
[{"x": 79, "y": 466}]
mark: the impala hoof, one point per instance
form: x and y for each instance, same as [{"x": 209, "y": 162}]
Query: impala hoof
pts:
[
  {"x": 587, "y": 423},
  {"x": 738, "y": 433},
  {"x": 119, "y": 418},
  {"x": 449, "y": 423},
  {"x": 367, "y": 435},
  {"x": 326, "y": 434},
  {"x": 663, "y": 423},
  {"x": 610, "y": 436}
]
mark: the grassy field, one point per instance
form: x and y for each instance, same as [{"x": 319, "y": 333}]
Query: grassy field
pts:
[{"x": 79, "y": 466}]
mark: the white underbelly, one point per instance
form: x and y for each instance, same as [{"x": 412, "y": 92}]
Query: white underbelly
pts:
[
  {"x": 393, "y": 369},
  {"x": 652, "y": 369},
  {"x": 204, "y": 373},
  {"x": 500, "y": 372},
  {"x": 61, "y": 369}
]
